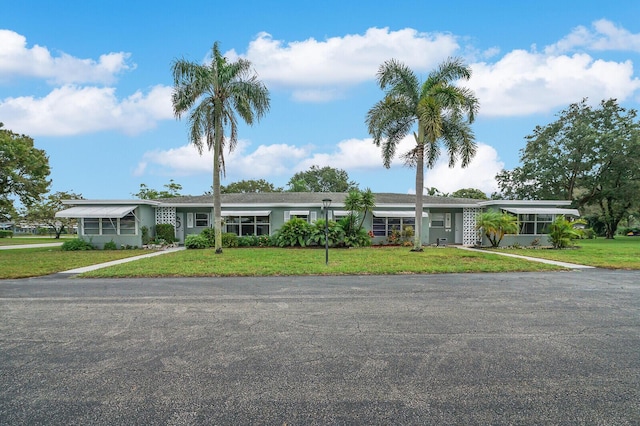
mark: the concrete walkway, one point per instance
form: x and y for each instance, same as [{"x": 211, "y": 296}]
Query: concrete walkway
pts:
[
  {"x": 120, "y": 261},
  {"x": 533, "y": 259},
  {"x": 25, "y": 246}
]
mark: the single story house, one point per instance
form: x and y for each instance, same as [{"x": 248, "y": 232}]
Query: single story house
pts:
[{"x": 444, "y": 218}]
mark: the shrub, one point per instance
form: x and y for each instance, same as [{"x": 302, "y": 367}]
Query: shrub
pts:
[
  {"x": 146, "y": 238},
  {"x": 229, "y": 239},
  {"x": 165, "y": 231},
  {"x": 110, "y": 246},
  {"x": 295, "y": 232},
  {"x": 316, "y": 237},
  {"x": 5, "y": 234},
  {"x": 359, "y": 238},
  {"x": 76, "y": 244},
  {"x": 561, "y": 232},
  {"x": 196, "y": 242},
  {"x": 209, "y": 235}
]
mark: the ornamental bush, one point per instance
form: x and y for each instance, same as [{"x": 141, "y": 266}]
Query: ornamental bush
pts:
[
  {"x": 76, "y": 245},
  {"x": 196, "y": 242},
  {"x": 166, "y": 232},
  {"x": 295, "y": 232},
  {"x": 336, "y": 233}
]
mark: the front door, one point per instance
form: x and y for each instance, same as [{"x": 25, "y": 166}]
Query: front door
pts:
[
  {"x": 458, "y": 230},
  {"x": 180, "y": 227}
]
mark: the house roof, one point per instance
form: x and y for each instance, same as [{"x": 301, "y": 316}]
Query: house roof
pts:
[{"x": 309, "y": 199}]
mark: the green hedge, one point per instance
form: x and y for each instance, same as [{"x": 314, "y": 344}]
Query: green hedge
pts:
[{"x": 6, "y": 234}]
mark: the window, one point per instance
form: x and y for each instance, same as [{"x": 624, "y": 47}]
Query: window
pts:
[
  {"x": 110, "y": 226},
  {"x": 534, "y": 224},
  {"x": 202, "y": 220},
  {"x": 128, "y": 225},
  {"x": 91, "y": 226},
  {"x": 437, "y": 220},
  {"x": 383, "y": 226},
  {"x": 248, "y": 225}
]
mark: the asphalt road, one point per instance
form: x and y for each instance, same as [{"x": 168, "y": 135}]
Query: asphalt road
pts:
[{"x": 530, "y": 348}]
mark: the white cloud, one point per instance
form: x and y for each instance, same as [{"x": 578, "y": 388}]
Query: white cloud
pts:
[
  {"x": 73, "y": 110},
  {"x": 350, "y": 59},
  {"x": 523, "y": 82},
  {"x": 604, "y": 35},
  {"x": 17, "y": 60},
  {"x": 264, "y": 161},
  {"x": 479, "y": 174}
]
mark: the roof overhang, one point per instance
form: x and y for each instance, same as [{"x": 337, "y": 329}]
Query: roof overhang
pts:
[
  {"x": 227, "y": 213},
  {"x": 112, "y": 212},
  {"x": 379, "y": 213},
  {"x": 541, "y": 210}
]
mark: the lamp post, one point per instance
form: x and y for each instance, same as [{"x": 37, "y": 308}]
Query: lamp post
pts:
[{"x": 325, "y": 206}]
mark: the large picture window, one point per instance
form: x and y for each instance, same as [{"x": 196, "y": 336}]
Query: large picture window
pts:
[
  {"x": 110, "y": 226},
  {"x": 535, "y": 224},
  {"x": 248, "y": 225},
  {"x": 384, "y": 226}
]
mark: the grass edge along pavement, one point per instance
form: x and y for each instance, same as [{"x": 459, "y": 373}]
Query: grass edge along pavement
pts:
[{"x": 293, "y": 261}]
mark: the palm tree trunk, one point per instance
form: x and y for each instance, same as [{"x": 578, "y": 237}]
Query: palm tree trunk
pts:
[
  {"x": 417, "y": 242},
  {"x": 217, "y": 202}
]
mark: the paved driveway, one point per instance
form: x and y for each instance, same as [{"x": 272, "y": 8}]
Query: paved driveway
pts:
[{"x": 532, "y": 348}]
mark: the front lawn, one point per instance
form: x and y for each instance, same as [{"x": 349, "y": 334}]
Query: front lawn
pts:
[
  {"x": 620, "y": 253},
  {"x": 14, "y": 241},
  {"x": 291, "y": 261},
  {"x": 33, "y": 262}
]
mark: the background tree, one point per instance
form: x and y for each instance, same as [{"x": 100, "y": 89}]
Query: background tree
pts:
[
  {"x": 435, "y": 192},
  {"x": 23, "y": 172},
  {"x": 43, "y": 212},
  {"x": 325, "y": 179},
  {"x": 249, "y": 186},
  {"x": 171, "y": 190},
  {"x": 442, "y": 110},
  {"x": 590, "y": 156},
  {"x": 470, "y": 193},
  {"x": 214, "y": 94}
]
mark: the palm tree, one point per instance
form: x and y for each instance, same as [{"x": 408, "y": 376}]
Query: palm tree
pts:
[
  {"x": 442, "y": 111},
  {"x": 495, "y": 225},
  {"x": 212, "y": 94}
]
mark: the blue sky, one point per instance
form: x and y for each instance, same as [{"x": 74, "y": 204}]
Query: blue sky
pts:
[{"x": 91, "y": 82}]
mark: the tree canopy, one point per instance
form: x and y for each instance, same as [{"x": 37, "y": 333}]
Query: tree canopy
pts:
[
  {"x": 43, "y": 212},
  {"x": 248, "y": 186},
  {"x": 171, "y": 190},
  {"x": 213, "y": 95},
  {"x": 442, "y": 110},
  {"x": 589, "y": 155},
  {"x": 470, "y": 193},
  {"x": 23, "y": 171},
  {"x": 325, "y": 179}
]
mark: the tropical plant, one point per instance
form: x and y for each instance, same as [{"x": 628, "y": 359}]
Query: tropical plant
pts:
[
  {"x": 562, "y": 232},
  {"x": 442, "y": 110},
  {"x": 495, "y": 225},
  {"x": 213, "y": 94},
  {"x": 317, "y": 236},
  {"x": 295, "y": 232},
  {"x": 358, "y": 203}
]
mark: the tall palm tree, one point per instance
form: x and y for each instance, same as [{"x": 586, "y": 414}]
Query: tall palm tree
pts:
[
  {"x": 442, "y": 111},
  {"x": 212, "y": 94}
]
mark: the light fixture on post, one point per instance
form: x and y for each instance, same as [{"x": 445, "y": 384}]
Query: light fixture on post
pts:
[{"x": 325, "y": 206}]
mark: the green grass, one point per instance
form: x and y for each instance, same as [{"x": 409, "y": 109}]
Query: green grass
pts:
[
  {"x": 620, "y": 253},
  {"x": 31, "y": 240},
  {"x": 32, "y": 262},
  {"x": 282, "y": 262}
]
